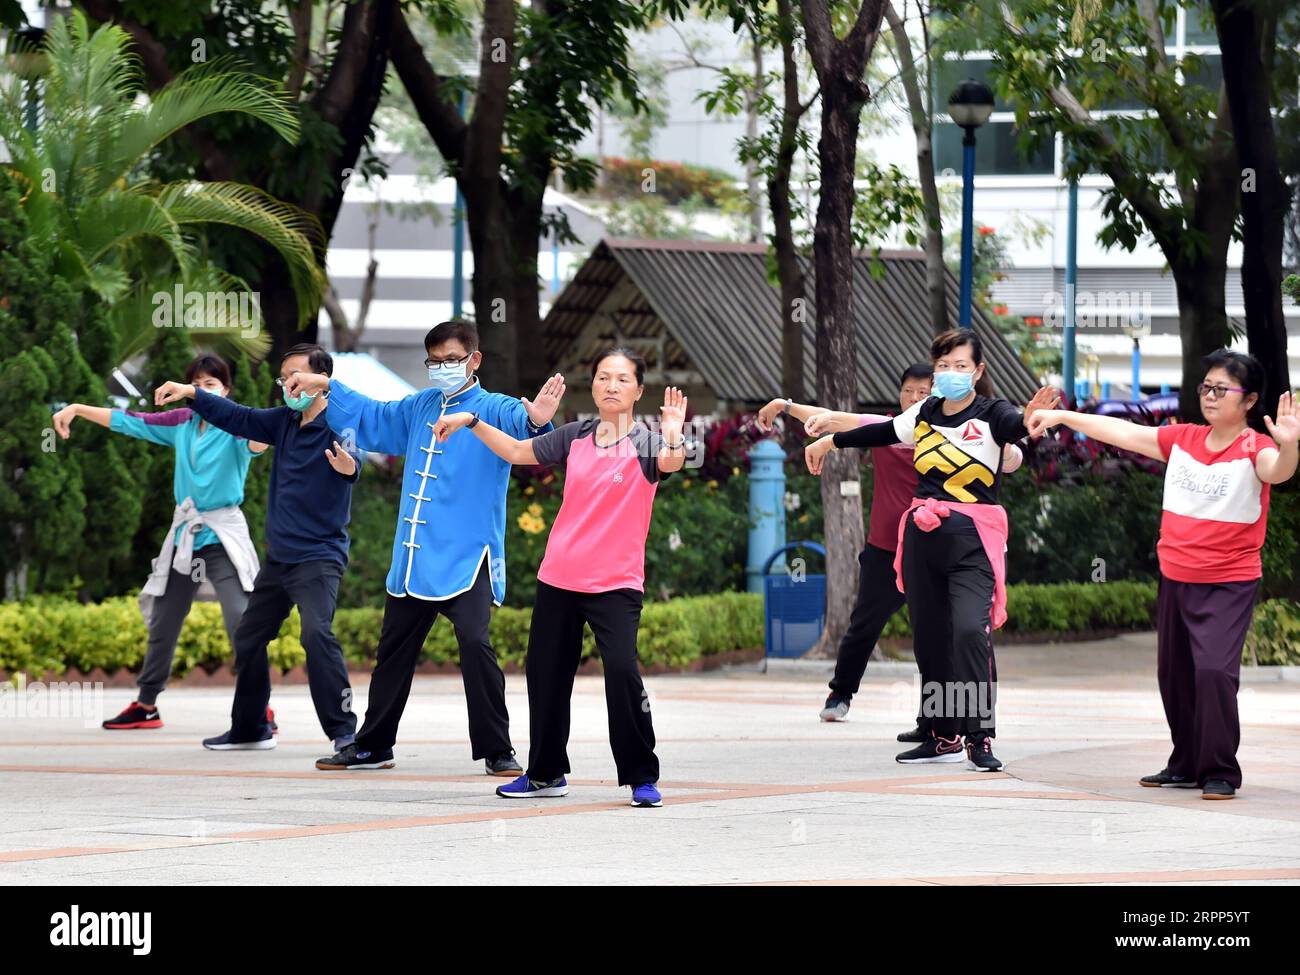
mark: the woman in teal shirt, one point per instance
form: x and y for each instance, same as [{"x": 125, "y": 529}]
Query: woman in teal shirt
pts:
[{"x": 209, "y": 540}]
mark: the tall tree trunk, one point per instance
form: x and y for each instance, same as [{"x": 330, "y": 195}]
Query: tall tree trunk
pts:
[
  {"x": 789, "y": 271},
  {"x": 1247, "y": 30},
  {"x": 753, "y": 184},
  {"x": 1202, "y": 325},
  {"x": 936, "y": 273},
  {"x": 525, "y": 231},
  {"x": 840, "y": 67}
]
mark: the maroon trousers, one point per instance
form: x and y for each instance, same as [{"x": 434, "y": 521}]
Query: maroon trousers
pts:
[{"x": 1201, "y": 628}]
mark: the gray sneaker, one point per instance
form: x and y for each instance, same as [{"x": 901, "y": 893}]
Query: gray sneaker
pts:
[
  {"x": 503, "y": 764},
  {"x": 836, "y": 709}
]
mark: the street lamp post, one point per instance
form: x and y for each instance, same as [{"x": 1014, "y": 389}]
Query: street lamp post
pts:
[
  {"x": 969, "y": 106},
  {"x": 26, "y": 57}
]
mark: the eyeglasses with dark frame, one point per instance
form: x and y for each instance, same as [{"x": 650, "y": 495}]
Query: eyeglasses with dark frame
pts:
[
  {"x": 444, "y": 363},
  {"x": 1217, "y": 392}
]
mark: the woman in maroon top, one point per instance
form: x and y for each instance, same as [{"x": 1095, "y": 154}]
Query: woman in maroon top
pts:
[{"x": 593, "y": 571}]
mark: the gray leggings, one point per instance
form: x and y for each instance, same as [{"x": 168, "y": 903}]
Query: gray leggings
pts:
[{"x": 171, "y": 609}]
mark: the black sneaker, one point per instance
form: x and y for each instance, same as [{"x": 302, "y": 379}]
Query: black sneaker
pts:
[
  {"x": 1217, "y": 789},
  {"x": 503, "y": 764},
  {"x": 224, "y": 743},
  {"x": 979, "y": 754},
  {"x": 835, "y": 709},
  {"x": 931, "y": 751},
  {"x": 917, "y": 734},
  {"x": 353, "y": 758},
  {"x": 1164, "y": 779},
  {"x": 134, "y": 716}
]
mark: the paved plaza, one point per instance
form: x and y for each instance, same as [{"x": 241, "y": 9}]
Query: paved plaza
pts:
[{"x": 756, "y": 791}]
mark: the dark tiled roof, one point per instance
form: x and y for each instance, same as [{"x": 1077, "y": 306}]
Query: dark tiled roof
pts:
[{"x": 723, "y": 317}]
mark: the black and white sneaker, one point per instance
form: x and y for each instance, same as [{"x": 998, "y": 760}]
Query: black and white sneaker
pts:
[
  {"x": 352, "y": 757},
  {"x": 224, "y": 743},
  {"x": 835, "y": 709},
  {"x": 979, "y": 754},
  {"x": 503, "y": 764},
  {"x": 1164, "y": 779},
  {"x": 932, "y": 751}
]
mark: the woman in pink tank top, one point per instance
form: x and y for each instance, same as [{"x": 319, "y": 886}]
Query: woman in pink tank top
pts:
[{"x": 593, "y": 572}]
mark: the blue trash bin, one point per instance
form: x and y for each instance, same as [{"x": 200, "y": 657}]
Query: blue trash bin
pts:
[{"x": 794, "y": 609}]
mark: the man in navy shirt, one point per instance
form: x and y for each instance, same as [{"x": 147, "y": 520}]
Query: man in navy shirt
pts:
[{"x": 307, "y": 514}]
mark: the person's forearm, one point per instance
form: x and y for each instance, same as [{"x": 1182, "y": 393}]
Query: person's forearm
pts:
[
  {"x": 802, "y": 412},
  {"x": 866, "y": 437},
  {"x": 836, "y": 420},
  {"x": 95, "y": 414},
  {"x": 503, "y": 445},
  {"x": 1116, "y": 432},
  {"x": 1282, "y": 467}
]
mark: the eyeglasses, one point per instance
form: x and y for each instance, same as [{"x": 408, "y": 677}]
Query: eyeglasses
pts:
[
  {"x": 445, "y": 363},
  {"x": 1216, "y": 392}
]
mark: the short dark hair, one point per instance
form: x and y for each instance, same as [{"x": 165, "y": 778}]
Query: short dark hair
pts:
[
  {"x": 207, "y": 364},
  {"x": 917, "y": 370},
  {"x": 955, "y": 338},
  {"x": 466, "y": 333},
  {"x": 621, "y": 350},
  {"x": 318, "y": 360},
  {"x": 1245, "y": 370}
]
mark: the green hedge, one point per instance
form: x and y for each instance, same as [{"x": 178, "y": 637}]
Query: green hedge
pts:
[
  {"x": 1275, "y": 635},
  {"x": 50, "y": 635}
]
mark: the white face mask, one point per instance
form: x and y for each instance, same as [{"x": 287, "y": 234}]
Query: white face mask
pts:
[{"x": 448, "y": 378}]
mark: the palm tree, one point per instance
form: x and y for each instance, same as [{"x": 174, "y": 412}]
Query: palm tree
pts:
[{"x": 88, "y": 195}]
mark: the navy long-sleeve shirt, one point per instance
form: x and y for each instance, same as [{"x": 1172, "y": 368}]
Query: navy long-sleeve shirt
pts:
[{"x": 310, "y": 502}]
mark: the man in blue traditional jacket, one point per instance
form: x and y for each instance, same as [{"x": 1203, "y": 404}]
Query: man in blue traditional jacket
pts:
[{"x": 449, "y": 547}]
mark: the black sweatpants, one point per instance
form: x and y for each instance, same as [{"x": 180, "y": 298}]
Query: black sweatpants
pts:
[
  {"x": 407, "y": 621},
  {"x": 878, "y": 600},
  {"x": 950, "y": 600},
  {"x": 1200, "y": 630},
  {"x": 554, "y": 653},
  {"x": 313, "y": 587}
]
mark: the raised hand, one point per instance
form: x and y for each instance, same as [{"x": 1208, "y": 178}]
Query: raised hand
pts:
[
  {"x": 1286, "y": 428},
  {"x": 818, "y": 424},
  {"x": 450, "y": 423},
  {"x": 170, "y": 392},
  {"x": 814, "y": 454},
  {"x": 672, "y": 415},
  {"x": 309, "y": 383},
  {"x": 1046, "y": 398},
  {"x": 542, "y": 409},
  {"x": 341, "y": 460}
]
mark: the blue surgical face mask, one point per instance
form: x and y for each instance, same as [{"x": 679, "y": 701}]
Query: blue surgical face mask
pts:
[
  {"x": 299, "y": 402},
  {"x": 449, "y": 378},
  {"x": 953, "y": 385}
]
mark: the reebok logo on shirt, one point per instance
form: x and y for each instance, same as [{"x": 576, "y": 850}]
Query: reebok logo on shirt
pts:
[{"x": 971, "y": 434}]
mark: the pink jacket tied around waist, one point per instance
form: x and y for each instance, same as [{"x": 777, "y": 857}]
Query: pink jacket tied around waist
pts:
[{"x": 991, "y": 523}]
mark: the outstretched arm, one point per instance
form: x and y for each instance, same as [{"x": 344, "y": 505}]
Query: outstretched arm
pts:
[
  {"x": 95, "y": 414},
  {"x": 672, "y": 452},
  {"x": 1108, "y": 429},
  {"x": 262, "y": 426},
  {"x": 766, "y": 417},
  {"x": 500, "y": 443}
]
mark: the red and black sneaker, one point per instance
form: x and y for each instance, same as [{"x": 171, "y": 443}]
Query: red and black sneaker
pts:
[
  {"x": 270, "y": 719},
  {"x": 135, "y": 715}
]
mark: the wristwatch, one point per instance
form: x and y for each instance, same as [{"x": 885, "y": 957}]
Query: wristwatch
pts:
[
  {"x": 472, "y": 423},
  {"x": 788, "y": 404}
]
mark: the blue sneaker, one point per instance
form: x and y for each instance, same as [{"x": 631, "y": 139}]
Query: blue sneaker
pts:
[
  {"x": 522, "y": 788},
  {"x": 646, "y": 796},
  {"x": 223, "y": 743}
]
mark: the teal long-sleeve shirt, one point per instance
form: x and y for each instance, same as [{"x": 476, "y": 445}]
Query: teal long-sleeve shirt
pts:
[{"x": 211, "y": 464}]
